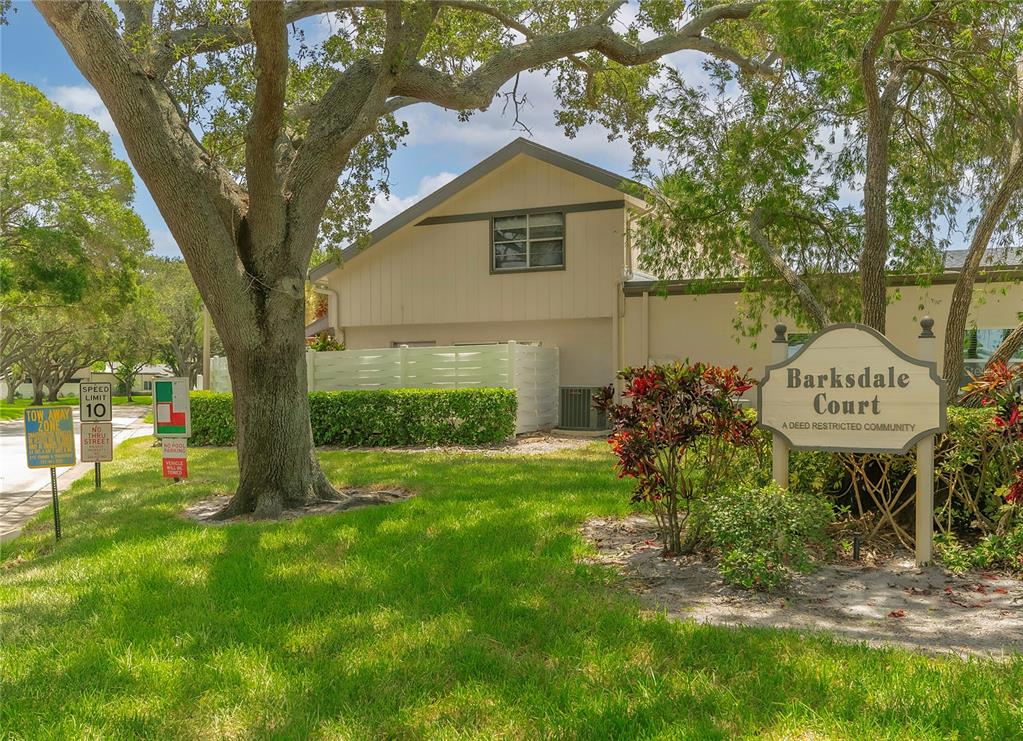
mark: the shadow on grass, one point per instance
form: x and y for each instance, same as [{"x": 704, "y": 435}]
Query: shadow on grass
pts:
[{"x": 461, "y": 611}]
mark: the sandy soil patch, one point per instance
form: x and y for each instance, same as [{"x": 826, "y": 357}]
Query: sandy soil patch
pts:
[
  {"x": 532, "y": 444},
  {"x": 892, "y": 603},
  {"x": 203, "y": 511}
]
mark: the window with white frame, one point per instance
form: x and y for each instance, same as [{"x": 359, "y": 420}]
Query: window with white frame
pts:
[
  {"x": 528, "y": 242},
  {"x": 980, "y": 344}
]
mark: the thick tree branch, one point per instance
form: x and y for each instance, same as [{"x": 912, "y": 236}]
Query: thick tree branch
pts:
[
  {"x": 266, "y": 216},
  {"x": 478, "y": 89},
  {"x": 187, "y": 42},
  {"x": 962, "y": 292},
  {"x": 1009, "y": 347},
  {"x": 880, "y": 108},
  {"x": 138, "y": 15},
  {"x": 814, "y": 308},
  {"x": 200, "y": 202},
  {"x": 348, "y": 111}
]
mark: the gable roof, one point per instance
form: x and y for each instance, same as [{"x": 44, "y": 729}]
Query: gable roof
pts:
[{"x": 470, "y": 176}]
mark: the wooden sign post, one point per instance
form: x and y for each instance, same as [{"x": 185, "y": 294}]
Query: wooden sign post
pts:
[
  {"x": 849, "y": 389},
  {"x": 924, "y": 540},
  {"x": 779, "y": 443}
]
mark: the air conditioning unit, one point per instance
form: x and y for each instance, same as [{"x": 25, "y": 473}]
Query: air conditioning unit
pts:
[{"x": 576, "y": 409}]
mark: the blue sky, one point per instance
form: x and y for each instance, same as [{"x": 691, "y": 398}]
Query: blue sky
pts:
[{"x": 438, "y": 148}]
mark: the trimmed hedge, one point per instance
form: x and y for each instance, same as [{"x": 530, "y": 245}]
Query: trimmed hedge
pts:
[{"x": 379, "y": 418}]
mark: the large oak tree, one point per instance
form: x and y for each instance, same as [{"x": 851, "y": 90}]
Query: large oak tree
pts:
[{"x": 302, "y": 126}]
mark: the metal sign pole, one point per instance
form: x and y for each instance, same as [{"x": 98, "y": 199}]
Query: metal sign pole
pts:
[
  {"x": 56, "y": 503},
  {"x": 97, "y": 475}
]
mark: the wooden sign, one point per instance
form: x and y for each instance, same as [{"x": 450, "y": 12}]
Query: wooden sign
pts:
[{"x": 850, "y": 389}]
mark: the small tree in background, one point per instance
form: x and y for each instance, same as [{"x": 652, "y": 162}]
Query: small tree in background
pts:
[{"x": 677, "y": 434}]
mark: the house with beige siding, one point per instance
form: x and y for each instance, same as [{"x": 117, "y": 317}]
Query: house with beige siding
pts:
[{"x": 533, "y": 245}]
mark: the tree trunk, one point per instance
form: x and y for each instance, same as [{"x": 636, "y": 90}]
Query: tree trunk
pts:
[
  {"x": 276, "y": 457},
  {"x": 880, "y": 109},
  {"x": 13, "y": 381},
  {"x": 53, "y": 392},
  {"x": 815, "y": 310},
  {"x": 1010, "y": 345},
  {"x": 37, "y": 392},
  {"x": 962, "y": 293}
]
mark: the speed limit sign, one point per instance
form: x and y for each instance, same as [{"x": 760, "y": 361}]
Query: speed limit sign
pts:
[{"x": 94, "y": 402}]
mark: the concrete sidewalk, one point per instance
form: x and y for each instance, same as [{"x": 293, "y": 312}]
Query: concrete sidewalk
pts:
[{"x": 25, "y": 491}]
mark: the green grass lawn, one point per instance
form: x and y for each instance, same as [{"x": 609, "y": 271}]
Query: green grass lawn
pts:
[
  {"x": 17, "y": 409},
  {"x": 462, "y": 612}
]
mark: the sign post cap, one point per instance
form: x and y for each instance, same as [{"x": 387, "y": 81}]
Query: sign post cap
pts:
[
  {"x": 780, "y": 333},
  {"x": 926, "y": 328}
]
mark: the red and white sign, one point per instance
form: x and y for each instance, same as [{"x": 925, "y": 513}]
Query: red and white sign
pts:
[
  {"x": 175, "y": 457},
  {"x": 97, "y": 442}
]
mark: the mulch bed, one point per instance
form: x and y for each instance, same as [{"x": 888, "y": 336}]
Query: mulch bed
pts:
[{"x": 885, "y": 602}]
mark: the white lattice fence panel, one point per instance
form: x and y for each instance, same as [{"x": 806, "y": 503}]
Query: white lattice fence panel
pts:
[
  {"x": 536, "y": 378},
  {"x": 531, "y": 370},
  {"x": 355, "y": 369},
  {"x": 457, "y": 367},
  {"x": 220, "y": 379}
]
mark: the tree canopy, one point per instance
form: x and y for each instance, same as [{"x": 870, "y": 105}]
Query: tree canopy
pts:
[
  {"x": 70, "y": 243},
  {"x": 884, "y": 123}
]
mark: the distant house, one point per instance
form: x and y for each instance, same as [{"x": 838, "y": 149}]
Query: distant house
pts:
[
  {"x": 534, "y": 246},
  {"x": 143, "y": 381}
]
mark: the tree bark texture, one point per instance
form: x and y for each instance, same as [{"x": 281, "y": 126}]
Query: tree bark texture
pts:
[
  {"x": 962, "y": 293},
  {"x": 1009, "y": 347},
  {"x": 880, "y": 110},
  {"x": 276, "y": 456},
  {"x": 815, "y": 310}
]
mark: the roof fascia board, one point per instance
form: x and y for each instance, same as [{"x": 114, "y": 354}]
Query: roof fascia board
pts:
[{"x": 696, "y": 288}]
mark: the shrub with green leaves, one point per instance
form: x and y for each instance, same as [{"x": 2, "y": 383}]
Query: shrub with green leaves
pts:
[
  {"x": 993, "y": 551},
  {"x": 386, "y": 417},
  {"x": 764, "y": 533},
  {"x": 212, "y": 418}
]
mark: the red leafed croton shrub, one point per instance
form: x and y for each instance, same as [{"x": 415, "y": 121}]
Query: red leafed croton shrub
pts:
[
  {"x": 677, "y": 431},
  {"x": 1009, "y": 422}
]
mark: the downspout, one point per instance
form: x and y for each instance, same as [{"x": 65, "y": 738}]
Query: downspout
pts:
[
  {"x": 616, "y": 329},
  {"x": 332, "y": 307},
  {"x": 646, "y": 328}
]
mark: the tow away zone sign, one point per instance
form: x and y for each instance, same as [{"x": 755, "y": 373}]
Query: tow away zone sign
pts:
[{"x": 49, "y": 437}]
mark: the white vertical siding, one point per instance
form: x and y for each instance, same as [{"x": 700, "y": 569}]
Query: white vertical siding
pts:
[{"x": 441, "y": 273}]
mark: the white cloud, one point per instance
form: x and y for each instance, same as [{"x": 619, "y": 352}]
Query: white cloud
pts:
[
  {"x": 85, "y": 100},
  {"x": 384, "y": 208},
  {"x": 489, "y": 130}
]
